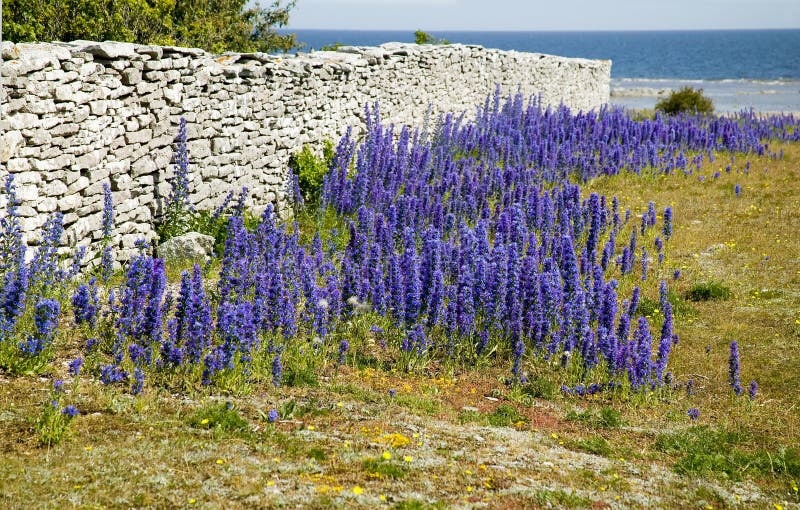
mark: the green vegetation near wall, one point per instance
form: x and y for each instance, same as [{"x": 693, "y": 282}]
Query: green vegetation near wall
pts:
[{"x": 215, "y": 26}]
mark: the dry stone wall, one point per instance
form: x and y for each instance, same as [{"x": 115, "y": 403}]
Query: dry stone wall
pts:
[{"x": 76, "y": 115}]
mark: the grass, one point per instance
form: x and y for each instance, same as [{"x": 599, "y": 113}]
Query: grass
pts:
[
  {"x": 707, "y": 450},
  {"x": 740, "y": 275},
  {"x": 708, "y": 291},
  {"x": 604, "y": 418}
]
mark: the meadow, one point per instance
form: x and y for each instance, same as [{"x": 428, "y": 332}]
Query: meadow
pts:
[{"x": 533, "y": 309}]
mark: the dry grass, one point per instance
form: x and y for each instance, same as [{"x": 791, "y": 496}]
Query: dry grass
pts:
[{"x": 144, "y": 452}]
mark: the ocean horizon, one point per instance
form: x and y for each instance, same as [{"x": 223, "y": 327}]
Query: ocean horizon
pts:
[{"x": 738, "y": 69}]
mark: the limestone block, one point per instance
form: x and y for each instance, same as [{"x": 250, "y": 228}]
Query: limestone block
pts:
[
  {"x": 141, "y": 136},
  {"x": 69, "y": 203},
  {"x": 199, "y": 148},
  {"x": 19, "y": 165},
  {"x": 66, "y": 129},
  {"x": 46, "y": 205},
  {"x": 80, "y": 184},
  {"x": 41, "y": 106},
  {"x": 142, "y": 166},
  {"x": 56, "y": 163},
  {"x": 154, "y": 52},
  {"x": 113, "y": 50},
  {"x": 172, "y": 96},
  {"x": 28, "y": 193},
  {"x": 55, "y": 188},
  {"x": 188, "y": 247},
  {"x": 10, "y": 143}
]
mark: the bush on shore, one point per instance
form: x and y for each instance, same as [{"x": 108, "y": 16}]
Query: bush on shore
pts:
[{"x": 685, "y": 100}]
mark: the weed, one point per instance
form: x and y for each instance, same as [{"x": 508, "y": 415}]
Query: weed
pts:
[
  {"x": 540, "y": 387},
  {"x": 418, "y": 404},
  {"x": 222, "y": 419},
  {"x": 414, "y": 504},
  {"x": 504, "y": 416},
  {"x": 53, "y": 422},
  {"x": 561, "y": 499},
  {"x": 709, "y": 291},
  {"x": 384, "y": 468},
  {"x": 706, "y": 450},
  {"x": 595, "y": 445},
  {"x": 317, "y": 454},
  {"x": 607, "y": 418},
  {"x": 310, "y": 170}
]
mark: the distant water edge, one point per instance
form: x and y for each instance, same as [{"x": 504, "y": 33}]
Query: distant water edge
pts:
[{"x": 738, "y": 69}]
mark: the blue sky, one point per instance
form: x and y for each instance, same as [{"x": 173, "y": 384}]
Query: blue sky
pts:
[{"x": 545, "y": 15}]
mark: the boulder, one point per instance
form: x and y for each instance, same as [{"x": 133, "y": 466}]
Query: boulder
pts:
[{"x": 193, "y": 246}]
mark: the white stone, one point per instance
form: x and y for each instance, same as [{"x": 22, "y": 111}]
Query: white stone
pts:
[
  {"x": 10, "y": 143},
  {"x": 188, "y": 247}
]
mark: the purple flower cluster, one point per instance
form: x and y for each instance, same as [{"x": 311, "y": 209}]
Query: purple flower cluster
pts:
[
  {"x": 473, "y": 240},
  {"x": 45, "y": 317}
]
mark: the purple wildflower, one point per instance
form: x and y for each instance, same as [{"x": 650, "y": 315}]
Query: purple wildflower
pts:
[
  {"x": 75, "y": 366},
  {"x": 70, "y": 411},
  {"x": 733, "y": 369}
]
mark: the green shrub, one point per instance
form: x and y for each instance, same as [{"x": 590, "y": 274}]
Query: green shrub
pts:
[
  {"x": 205, "y": 222},
  {"x": 421, "y": 37},
  {"x": 311, "y": 169},
  {"x": 708, "y": 291},
  {"x": 331, "y": 47},
  {"x": 222, "y": 25},
  {"x": 685, "y": 100}
]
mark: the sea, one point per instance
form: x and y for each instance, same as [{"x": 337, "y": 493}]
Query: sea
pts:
[{"x": 737, "y": 69}]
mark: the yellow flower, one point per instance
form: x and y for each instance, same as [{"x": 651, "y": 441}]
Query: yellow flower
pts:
[
  {"x": 387, "y": 456},
  {"x": 339, "y": 404},
  {"x": 383, "y": 497},
  {"x": 311, "y": 427},
  {"x": 408, "y": 458},
  {"x": 395, "y": 440},
  {"x": 777, "y": 506},
  {"x": 357, "y": 490},
  {"x": 192, "y": 501},
  {"x": 204, "y": 421},
  {"x": 270, "y": 483},
  {"x": 220, "y": 461}
]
